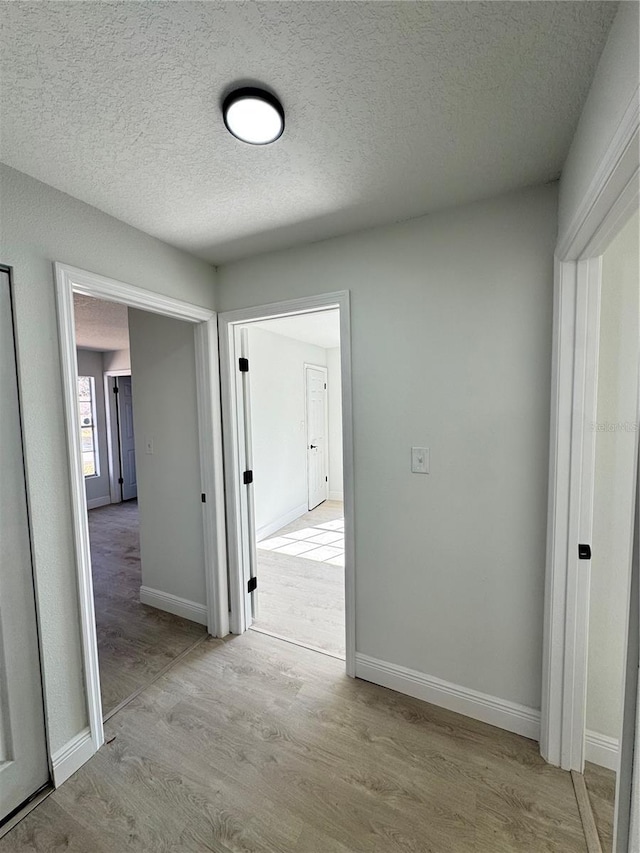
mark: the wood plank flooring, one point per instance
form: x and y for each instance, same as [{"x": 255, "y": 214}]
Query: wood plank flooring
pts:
[
  {"x": 254, "y": 745},
  {"x": 135, "y": 642},
  {"x": 601, "y": 787},
  {"x": 302, "y": 600}
]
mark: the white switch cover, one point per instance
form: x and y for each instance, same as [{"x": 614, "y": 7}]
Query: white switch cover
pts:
[
  {"x": 420, "y": 460},
  {"x": 149, "y": 446}
]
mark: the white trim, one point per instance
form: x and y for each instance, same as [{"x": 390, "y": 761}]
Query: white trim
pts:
[
  {"x": 471, "y": 703},
  {"x": 336, "y": 496},
  {"x": 602, "y": 750},
  {"x": 94, "y": 503},
  {"x": 70, "y": 280},
  {"x": 612, "y": 195},
  {"x": 278, "y": 523},
  {"x": 227, "y": 322},
  {"x": 69, "y": 758},
  {"x": 618, "y": 168},
  {"x": 174, "y": 604}
]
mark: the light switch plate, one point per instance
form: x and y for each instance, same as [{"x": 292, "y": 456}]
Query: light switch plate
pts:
[
  {"x": 420, "y": 460},
  {"x": 148, "y": 447}
]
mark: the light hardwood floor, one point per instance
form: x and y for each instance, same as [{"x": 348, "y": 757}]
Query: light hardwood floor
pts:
[
  {"x": 299, "y": 599},
  {"x": 135, "y": 642},
  {"x": 601, "y": 787},
  {"x": 254, "y": 745}
]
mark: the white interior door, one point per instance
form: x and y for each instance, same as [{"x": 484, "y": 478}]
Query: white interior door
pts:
[
  {"x": 317, "y": 456},
  {"x": 127, "y": 446},
  {"x": 23, "y": 750}
]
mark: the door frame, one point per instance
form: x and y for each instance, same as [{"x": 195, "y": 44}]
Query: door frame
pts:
[
  {"x": 227, "y": 322},
  {"x": 70, "y": 280},
  {"x": 112, "y": 456},
  {"x": 325, "y": 370}
]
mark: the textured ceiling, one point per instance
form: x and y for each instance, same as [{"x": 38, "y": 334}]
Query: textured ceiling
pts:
[
  {"x": 102, "y": 326},
  {"x": 321, "y": 328},
  {"x": 393, "y": 109}
]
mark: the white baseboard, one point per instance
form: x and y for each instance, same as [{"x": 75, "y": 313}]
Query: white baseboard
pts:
[
  {"x": 72, "y": 756},
  {"x": 94, "y": 503},
  {"x": 174, "y": 604},
  {"x": 278, "y": 523},
  {"x": 336, "y": 496},
  {"x": 601, "y": 749},
  {"x": 471, "y": 703}
]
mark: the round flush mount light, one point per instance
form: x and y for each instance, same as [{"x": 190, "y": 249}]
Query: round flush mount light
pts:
[{"x": 253, "y": 115}]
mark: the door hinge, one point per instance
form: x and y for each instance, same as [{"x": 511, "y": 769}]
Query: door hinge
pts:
[
  {"x": 252, "y": 584},
  {"x": 325, "y": 386},
  {"x": 243, "y": 365},
  {"x": 203, "y": 498},
  {"x": 247, "y": 477},
  {"x": 584, "y": 552},
  {"x": 120, "y": 481},
  {"x": 326, "y": 479}
]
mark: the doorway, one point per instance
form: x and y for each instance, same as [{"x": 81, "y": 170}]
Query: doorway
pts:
[
  {"x": 181, "y": 334},
  {"x": 284, "y": 500}
]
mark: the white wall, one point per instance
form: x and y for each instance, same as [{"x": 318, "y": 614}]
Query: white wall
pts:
[
  {"x": 335, "y": 423},
  {"x": 279, "y": 438},
  {"x": 119, "y": 359},
  {"x": 39, "y": 225},
  {"x": 165, "y": 411},
  {"x": 97, "y": 488},
  {"x": 614, "y": 479},
  {"x": 614, "y": 86},
  {"x": 451, "y": 336}
]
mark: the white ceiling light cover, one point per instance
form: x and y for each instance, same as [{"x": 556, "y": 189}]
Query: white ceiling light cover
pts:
[{"x": 253, "y": 116}]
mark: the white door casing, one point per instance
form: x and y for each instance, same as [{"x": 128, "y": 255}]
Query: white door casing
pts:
[
  {"x": 127, "y": 447},
  {"x": 317, "y": 430},
  {"x": 24, "y": 764}
]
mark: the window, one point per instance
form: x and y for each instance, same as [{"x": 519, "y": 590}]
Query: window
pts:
[{"x": 87, "y": 415}]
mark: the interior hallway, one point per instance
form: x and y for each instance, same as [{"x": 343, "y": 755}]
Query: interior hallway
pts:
[
  {"x": 300, "y": 586},
  {"x": 254, "y": 744},
  {"x": 135, "y": 642}
]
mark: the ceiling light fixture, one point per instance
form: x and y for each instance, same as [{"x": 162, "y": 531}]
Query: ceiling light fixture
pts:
[{"x": 253, "y": 115}]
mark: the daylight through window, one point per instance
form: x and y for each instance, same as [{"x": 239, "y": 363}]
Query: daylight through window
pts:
[{"x": 87, "y": 415}]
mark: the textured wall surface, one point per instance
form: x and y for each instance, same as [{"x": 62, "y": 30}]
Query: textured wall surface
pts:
[
  {"x": 393, "y": 109},
  {"x": 451, "y": 321},
  {"x": 39, "y": 225}
]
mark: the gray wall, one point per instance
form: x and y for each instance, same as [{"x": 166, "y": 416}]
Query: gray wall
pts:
[
  {"x": 451, "y": 336},
  {"x": 616, "y": 439},
  {"x": 163, "y": 371},
  {"x": 97, "y": 488},
  {"x": 39, "y": 225},
  {"x": 614, "y": 85}
]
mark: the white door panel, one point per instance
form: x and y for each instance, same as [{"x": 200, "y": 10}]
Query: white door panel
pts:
[
  {"x": 317, "y": 457},
  {"x": 23, "y": 752}
]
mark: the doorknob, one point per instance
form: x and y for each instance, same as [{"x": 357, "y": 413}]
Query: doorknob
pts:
[{"x": 313, "y": 447}]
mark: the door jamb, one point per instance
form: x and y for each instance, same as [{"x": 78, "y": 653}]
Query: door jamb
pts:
[
  {"x": 325, "y": 369},
  {"x": 226, "y": 322},
  {"x": 70, "y": 280}
]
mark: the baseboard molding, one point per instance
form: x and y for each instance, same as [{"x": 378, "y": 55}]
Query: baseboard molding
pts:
[
  {"x": 94, "y": 503},
  {"x": 601, "y": 749},
  {"x": 72, "y": 756},
  {"x": 471, "y": 703},
  {"x": 278, "y": 523},
  {"x": 336, "y": 496},
  {"x": 174, "y": 604}
]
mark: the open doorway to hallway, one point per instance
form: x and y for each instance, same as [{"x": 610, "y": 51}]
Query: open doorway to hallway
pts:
[
  {"x": 137, "y": 640},
  {"x": 295, "y": 419}
]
